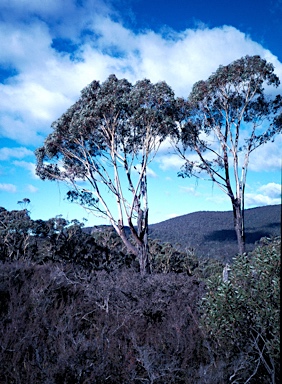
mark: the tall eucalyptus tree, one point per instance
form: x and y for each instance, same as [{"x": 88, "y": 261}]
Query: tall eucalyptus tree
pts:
[
  {"x": 107, "y": 139},
  {"x": 223, "y": 121}
]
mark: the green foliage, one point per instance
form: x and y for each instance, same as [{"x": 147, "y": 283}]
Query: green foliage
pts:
[
  {"x": 167, "y": 258},
  {"x": 230, "y": 100},
  {"x": 59, "y": 240},
  {"x": 111, "y": 122},
  {"x": 107, "y": 139},
  {"x": 242, "y": 315},
  {"x": 15, "y": 233},
  {"x": 231, "y": 96}
]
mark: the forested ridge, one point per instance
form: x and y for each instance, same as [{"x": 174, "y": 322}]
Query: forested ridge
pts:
[
  {"x": 74, "y": 308},
  {"x": 211, "y": 233}
]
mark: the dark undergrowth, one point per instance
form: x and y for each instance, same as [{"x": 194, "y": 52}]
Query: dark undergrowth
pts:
[
  {"x": 75, "y": 309},
  {"x": 63, "y": 324}
]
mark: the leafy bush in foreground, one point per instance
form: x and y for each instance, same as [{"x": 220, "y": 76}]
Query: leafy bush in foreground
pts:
[{"x": 242, "y": 316}]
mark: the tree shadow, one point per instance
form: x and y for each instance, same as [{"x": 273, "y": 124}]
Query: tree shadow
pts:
[
  {"x": 274, "y": 225},
  {"x": 227, "y": 235}
]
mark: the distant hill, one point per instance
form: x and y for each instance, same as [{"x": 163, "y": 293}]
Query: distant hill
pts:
[{"x": 211, "y": 234}]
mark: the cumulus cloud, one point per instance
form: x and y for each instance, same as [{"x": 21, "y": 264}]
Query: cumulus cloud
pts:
[
  {"x": 170, "y": 161},
  {"x": 16, "y": 153},
  {"x": 8, "y": 188},
  {"x": 204, "y": 194},
  {"x": 268, "y": 194},
  {"x": 219, "y": 199},
  {"x": 273, "y": 190},
  {"x": 25, "y": 7},
  {"x": 172, "y": 215},
  {"x": 45, "y": 80},
  {"x": 267, "y": 158}
]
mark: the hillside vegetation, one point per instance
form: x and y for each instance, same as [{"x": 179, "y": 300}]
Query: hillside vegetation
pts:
[{"x": 211, "y": 234}]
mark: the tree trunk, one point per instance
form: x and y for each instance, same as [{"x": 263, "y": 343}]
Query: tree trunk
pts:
[
  {"x": 239, "y": 226},
  {"x": 142, "y": 237},
  {"x": 140, "y": 250},
  {"x": 143, "y": 258},
  {"x": 140, "y": 234}
]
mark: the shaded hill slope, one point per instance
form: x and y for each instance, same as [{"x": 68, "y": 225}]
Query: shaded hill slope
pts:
[{"x": 211, "y": 234}]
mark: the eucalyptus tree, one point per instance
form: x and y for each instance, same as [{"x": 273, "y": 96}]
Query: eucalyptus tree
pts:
[
  {"x": 225, "y": 119},
  {"x": 102, "y": 146}
]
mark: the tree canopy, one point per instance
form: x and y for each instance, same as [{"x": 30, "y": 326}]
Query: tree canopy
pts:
[
  {"x": 223, "y": 121},
  {"x": 108, "y": 138}
]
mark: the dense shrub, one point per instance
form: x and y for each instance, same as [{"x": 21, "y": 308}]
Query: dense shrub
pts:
[
  {"x": 64, "y": 324},
  {"x": 242, "y": 316},
  {"x": 58, "y": 240}
]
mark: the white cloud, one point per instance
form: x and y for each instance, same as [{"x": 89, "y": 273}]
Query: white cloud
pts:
[
  {"x": 44, "y": 102},
  {"x": 170, "y": 161},
  {"x": 18, "y": 153},
  {"x": 253, "y": 200},
  {"x": 181, "y": 60},
  {"x": 48, "y": 81},
  {"x": 151, "y": 173},
  {"x": 219, "y": 199},
  {"x": 31, "y": 188},
  {"x": 190, "y": 191},
  {"x": 268, "y": 194},
  {"x": 8, "y": 188},
  {"x": 267, "y": 158},
  {"x": 272, "y": 190},
  {"x": 172, "y": 215},
  {"x": 30, "y": 6},
  {"x": 24, "y": 132},
  {"x": 32, "y": 99},
  {"x": 174, "y": 161},
  {"x": 53, "y": 11}
]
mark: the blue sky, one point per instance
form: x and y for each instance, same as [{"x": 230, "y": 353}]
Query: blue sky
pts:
[{"x": 50, "y": 50}]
